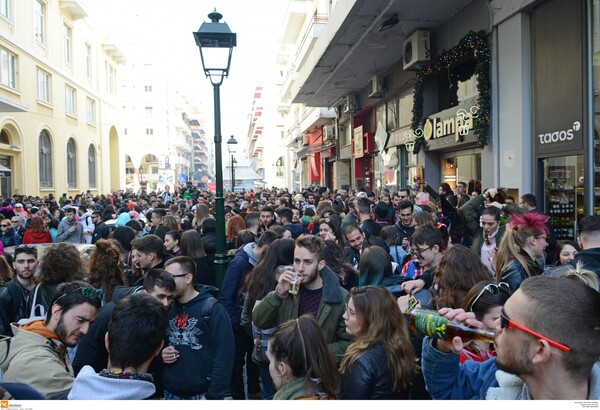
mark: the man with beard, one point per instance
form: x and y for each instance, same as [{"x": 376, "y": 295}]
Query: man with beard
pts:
[
  {"x": 548, "y": 337},
  {"x": 14, "y": 298},
  {"x": 319, "y": 294},
  {"x": 37, "y": 354}
]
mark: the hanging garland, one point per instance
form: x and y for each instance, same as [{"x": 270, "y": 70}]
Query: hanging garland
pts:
[{"x": 473, "y": 44}]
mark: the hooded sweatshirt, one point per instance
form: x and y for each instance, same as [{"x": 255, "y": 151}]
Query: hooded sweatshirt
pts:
[
  {"x": 90, "y": 385},
  {"x": 38, "y": 358}
]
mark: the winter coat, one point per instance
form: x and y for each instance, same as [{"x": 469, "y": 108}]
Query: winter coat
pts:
[
  {"x": 37, "y": 237},
  {"x": 89, "y": 385},
  {"x": 514, "y": 273},
  {"x": 13, "y": 305},
  {"x": 370, "y": 378},
  {"x": 65, "y": 236},
  {"x": 590, "y": 258},
  {"x": 274, "y": 310},
  {"x": 238, "y": 267},
  {"x": 10, "y": 238},
  {"x": 37, "y": 361}
]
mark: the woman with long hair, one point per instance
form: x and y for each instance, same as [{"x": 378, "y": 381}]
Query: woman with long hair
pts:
[
  {"x": 124, "y": 235},
  {"x": 171, "y": 241},
  {"x": 171, "y": 223},
  {"x": 374, "y": 267},
  {"x": 340, "y": 265},
  {"x": 323, "y": 208},
  {"x": 301, "y": 365},
  {"x": 37, "y": 233},
  {"x": 486, "y": 300},
  {"x": 330, "y": 231},
  {"x": 380, "y": 363},
  {"x": 459, "y": 270},
  {"x": 6, "y": 272},
  {"x": 257, "y": 283},
  {"x": 202, "y": 213},
  {"x": 107, "y": 267},
  {"x": 565, "y": 252},
  {"x": 235, "y": 225},
  {"x": 521, "y": 252},
  {"x": 191, "y": 245}
]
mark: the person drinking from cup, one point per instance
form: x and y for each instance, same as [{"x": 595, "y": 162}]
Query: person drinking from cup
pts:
[{"x": 319, "y": 295}]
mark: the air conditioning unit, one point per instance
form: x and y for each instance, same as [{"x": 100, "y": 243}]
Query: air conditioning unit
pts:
[
  {"x": 350, "y": 104},
  {"x": 328, "y": 133},
  {"x": 416, "y": 49},
  {"x": 375, "y": 87}
]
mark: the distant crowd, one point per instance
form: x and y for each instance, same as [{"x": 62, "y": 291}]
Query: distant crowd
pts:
[{"x": 123, "y": 301}]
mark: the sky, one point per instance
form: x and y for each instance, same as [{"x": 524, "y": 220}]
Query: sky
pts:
[{"x": 167, "y": 26}]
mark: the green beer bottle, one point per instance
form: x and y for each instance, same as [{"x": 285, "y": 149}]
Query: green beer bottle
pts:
[{"x": 431, "y": 323}]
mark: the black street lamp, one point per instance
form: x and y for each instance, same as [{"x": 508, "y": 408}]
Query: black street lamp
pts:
[
  {"x": 231, "y": 145},
  {"x": 216, "y": 41}
]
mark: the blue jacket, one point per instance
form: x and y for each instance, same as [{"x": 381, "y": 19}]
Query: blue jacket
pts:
[
  {"x": 233, "y": 302},
  {"x": 10, "y": 238},
  {"x": 447, "y": 379}
]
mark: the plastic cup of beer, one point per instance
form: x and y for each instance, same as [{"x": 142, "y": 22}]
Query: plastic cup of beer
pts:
[
  {"x": 295, "y": 284},
  {"x": 280, "y": 269}
]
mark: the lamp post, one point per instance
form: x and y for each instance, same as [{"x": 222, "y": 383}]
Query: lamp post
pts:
[
  {"x": 231, "y": 145},
  {"x": 216, "y": 41}
]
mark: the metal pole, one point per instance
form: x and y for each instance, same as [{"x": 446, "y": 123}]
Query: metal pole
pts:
[
  {"x": 221, "y": 251},
  {"x": 232, "y": 174}
]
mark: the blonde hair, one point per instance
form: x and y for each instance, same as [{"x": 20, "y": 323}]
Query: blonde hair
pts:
[{"x": 581, "y": 274}]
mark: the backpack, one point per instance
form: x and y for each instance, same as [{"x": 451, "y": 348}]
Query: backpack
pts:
[
  {"x": 261, "y": 342},
  {"x": 35, "y": 308}
]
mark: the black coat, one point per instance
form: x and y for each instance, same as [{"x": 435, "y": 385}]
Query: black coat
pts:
[{"x": 369, "y": 377}]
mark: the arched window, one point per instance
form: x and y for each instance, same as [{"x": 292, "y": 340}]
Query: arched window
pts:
[
  {"x": 92, "y": 166},
  {"x": 279, "y": 166},
  {"x": 4, "y": 137},
  {"x": 45, "y": 160},
  {"x": 71, "y": 164}
]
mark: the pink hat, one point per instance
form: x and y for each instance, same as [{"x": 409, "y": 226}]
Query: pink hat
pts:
[
  {"x": 134, "y": 215},
  {"x": 422, "y": 198}
]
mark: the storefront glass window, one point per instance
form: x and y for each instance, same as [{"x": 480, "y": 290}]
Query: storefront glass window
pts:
[
  {"x": 596, "y": 75},
  {"x": 563, "y": 185},
  {"x": 462, "y": 168}
]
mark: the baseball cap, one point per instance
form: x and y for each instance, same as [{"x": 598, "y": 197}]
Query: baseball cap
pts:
[{"x": 18, "y": 205}]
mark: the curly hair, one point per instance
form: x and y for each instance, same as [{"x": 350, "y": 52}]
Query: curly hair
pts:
[
  {"x": 107, "y": 267},
  {"x": 61, "y": 263},
  {"x": 459, "y": 270},
  {"x": 38, "y": 225}
]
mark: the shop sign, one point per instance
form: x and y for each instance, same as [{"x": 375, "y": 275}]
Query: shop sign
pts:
[
  {"x": 450, "y": 128},
  {"x": 358, "y": 142}
]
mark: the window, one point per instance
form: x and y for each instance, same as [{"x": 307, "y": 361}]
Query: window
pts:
[
  {"x": 66, "y": 44},
  {"x": 43, "y": 86},
  {"x": 71, "y": 164},
  {"x": 88, "y": 61},
  {"x": 148, "y": 110},
  {"x": 45, "y": 160},
  {"x": 110, "y": 78},
  {"x": 39, "y": 21},
  {"x": 148, "y": 88},
  {"x": 90, "y": 106},
  {"x": 5, "y": 8},
  {"x": 149, "y": 131},
  {"x": 8, "y": 68},
  {"x": 70, "y": 100},
  {"x": 92, "y": 166}
]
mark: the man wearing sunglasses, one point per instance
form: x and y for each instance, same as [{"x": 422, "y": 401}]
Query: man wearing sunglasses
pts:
[
  {"x": 37, "y": 354},
  {"x": 548, "y": 337}
]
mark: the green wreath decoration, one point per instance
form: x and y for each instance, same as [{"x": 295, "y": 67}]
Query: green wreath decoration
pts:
[{"x": 473, "y": 44}]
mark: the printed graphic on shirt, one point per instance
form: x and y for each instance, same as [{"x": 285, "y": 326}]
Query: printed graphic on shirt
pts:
[{"x": 183, "y": 331}]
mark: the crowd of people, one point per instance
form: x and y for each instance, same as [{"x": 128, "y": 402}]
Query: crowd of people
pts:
[{"x": 314, "y": 304}]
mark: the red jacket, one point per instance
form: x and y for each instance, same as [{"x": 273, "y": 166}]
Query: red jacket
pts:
[{"x": 36, "y": 237}]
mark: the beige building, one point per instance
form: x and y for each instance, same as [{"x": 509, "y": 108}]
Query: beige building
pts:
[{"x": 58, "y": 100}]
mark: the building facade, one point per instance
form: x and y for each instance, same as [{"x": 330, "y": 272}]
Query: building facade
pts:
[
  {"x": 490, "y": 93},
  {"x": 58, "y": 100}
]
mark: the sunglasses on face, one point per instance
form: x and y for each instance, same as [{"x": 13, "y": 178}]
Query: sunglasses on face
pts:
[{"x": 506, "y": 322}]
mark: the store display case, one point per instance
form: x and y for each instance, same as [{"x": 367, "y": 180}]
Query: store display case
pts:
[{"x": 564, "y": 195}]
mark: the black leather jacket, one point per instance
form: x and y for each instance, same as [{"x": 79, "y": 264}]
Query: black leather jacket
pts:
[{"x": 370, "y": 378}]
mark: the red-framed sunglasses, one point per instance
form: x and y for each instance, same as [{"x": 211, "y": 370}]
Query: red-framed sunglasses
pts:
[{"x": 506, "y": 322}]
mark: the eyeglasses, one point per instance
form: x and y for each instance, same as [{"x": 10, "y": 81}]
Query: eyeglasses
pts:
[
  {"x": 540, "y": 237},
  {"x": 87, "y": 292},
  {"x": 4, "y": 225},
  {"x": 15, "y": 222},
  {"x": 506, "y": 322},
  {"x": 493, "y": 289},
  {"x": 419, "y": 252},
  {"x": 180, "y": 275}
]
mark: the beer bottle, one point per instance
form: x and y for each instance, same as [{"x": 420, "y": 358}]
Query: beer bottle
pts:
[{"x": 431, "y": 323}]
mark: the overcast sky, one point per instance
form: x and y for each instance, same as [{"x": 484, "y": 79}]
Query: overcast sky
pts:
[{"x": 168, "y": 27}]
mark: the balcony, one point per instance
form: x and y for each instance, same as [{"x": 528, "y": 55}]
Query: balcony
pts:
[
  {"x": 316, "y": 117},
  {"x": 76, "y": 8}
]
